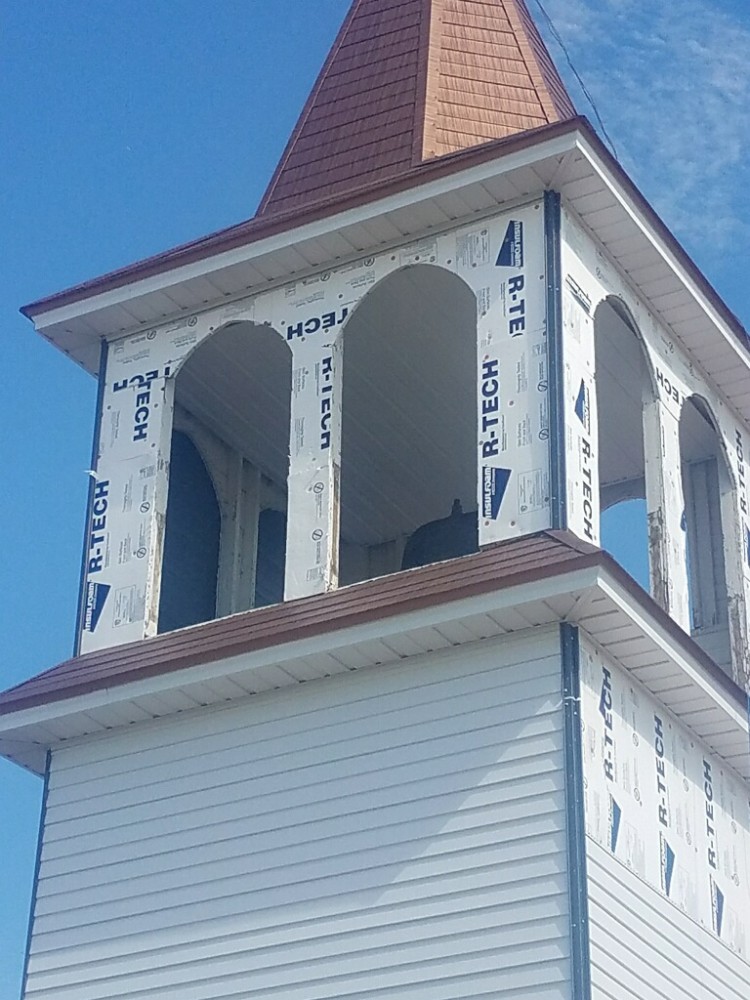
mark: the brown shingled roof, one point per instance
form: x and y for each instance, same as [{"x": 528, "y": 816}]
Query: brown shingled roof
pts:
[
  {"x": 504, "y": 564},
  {"x": 409, "y": 80},
  {"x": 532, "y": 558}
]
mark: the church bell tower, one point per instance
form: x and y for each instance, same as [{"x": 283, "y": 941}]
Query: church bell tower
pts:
[{"x": 360, "y": 704}]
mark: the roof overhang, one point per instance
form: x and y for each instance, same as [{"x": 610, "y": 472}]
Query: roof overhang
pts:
[
  {"x": 452, "y": 190},
  {"x": 528, "y": 584}
]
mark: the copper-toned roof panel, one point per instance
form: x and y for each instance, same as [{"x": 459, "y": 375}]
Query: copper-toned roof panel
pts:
[
  {"x": 543, "y": 69},
  {"x": 531, "y": 559},
  {"x": 370, "y": 76},
  {"x": 504, "y": 565},
  {"x": 494, "y": 42},
  {"x": 394, "y": 92}
]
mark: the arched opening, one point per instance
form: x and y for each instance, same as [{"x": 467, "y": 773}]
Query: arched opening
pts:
[
  {"x": 707, "y": 489},
  {"x": 232, "y": 400},
  {"x": 623, "y": 387},
  {"x": 409, "y": 431}
]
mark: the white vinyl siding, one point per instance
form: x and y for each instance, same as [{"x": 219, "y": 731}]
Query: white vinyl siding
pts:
[
  {"x": 397, "y": 833},
  {"x": 644, "y": 948}
]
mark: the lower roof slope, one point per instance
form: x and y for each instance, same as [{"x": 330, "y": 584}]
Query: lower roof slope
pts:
[{"x": 529, "y": 559}]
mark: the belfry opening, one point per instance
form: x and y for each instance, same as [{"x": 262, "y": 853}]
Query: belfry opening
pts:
[
  {"x": 408, "y": 458},
  {"x": 624, "y": 389},
  {"x": 225, "y": 536}
]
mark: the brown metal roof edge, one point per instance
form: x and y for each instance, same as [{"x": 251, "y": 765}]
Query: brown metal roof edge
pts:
[
  {"x": 381, "y": 593},
  {"x": 264, "y": 628},
  {"x": 680, "y": 637},
  {"x": 258, "y": 228},
  {"x": 399, "y": 593},
  {"x": 261, "y": 227},
  {"x": 649, "y": 605},
  {"x": 425, "y": 78}
]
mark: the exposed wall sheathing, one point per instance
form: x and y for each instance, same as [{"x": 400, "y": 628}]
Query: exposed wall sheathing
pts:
[
  {"x": 590, "y": 278},
  {"x": 668, "y": 848},
  {"x": 500, "y": 259}
]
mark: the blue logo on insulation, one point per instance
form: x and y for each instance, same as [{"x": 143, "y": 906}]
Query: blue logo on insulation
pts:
[
  {"x": 615, "y": 817},
  {"x": 667, "y": 865},
  {"x": 511, "y": 252},
  {"x": 96, "y": 598},
  {"x": 717, "y": 907},
  {"x": 494, "y": 487},
  {"x": 582, "y": 408}
]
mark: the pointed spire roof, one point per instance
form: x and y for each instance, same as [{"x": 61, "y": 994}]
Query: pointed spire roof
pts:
[{"x": 410, "y": 80}]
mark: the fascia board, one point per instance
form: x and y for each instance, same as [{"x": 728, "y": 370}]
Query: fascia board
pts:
[
  {"x": 672, "y": 259},
  {"x": 554, "y": 147}
]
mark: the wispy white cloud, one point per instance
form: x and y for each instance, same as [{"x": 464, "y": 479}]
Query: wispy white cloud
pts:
[{"x": 671, "y": 80}]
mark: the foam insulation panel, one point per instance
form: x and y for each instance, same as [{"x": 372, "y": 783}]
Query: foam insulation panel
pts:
[
  {"x": 589, "y": 278},
  {"x": 501, "y": 260},
  {"x": 662, "y": 805}
]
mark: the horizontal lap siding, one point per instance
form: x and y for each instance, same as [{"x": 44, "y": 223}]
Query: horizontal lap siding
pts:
[
  {"x": 644, "y": 948},
  {"x": 395, "y": 833}
]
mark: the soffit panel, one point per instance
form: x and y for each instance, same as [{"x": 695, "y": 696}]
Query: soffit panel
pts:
[{"x": 453, "y": 200}]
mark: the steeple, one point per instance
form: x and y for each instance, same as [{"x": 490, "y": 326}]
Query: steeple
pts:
[{"x": 410, "y": 80}]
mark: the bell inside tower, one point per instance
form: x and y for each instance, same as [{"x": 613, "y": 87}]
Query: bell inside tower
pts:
[{"x": 409, "y": 435}]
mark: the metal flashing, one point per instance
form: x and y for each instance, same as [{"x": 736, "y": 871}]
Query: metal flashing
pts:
[
  {"x": 592, "y": 590},
  {"x": 370, "y": 626},
  {"x": 580, "y": 955},
  {"x": 496, "y": 567},
  {"x": 555, "y": 358}
]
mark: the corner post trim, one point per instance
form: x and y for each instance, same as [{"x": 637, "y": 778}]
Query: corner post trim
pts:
[
  {"x": 580, "y": 952},
  {"x": 553, "y": 268}
]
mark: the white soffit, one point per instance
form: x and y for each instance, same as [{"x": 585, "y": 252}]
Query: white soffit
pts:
[
  {"x": 660, "y": 277},
  {"x": 590, "y": 598},
  {"x": 246, "y": 270},
  {"x": 568, "y": 163}
]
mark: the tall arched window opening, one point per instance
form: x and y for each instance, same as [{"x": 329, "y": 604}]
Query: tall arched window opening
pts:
[
  {"x": 707, "y": 488},
  {"x": 409, "y": 431},
  {"x": 232, "y": 400},
  {"x": 623, "y": 387}
]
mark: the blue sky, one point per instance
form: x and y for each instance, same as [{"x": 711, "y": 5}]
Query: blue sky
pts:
[{"x": 129, "y": 127}]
